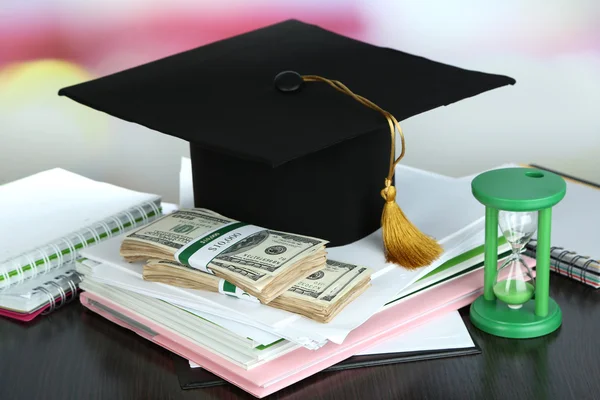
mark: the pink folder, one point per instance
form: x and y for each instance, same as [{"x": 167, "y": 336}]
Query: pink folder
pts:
[
  {"x": 301, "y": 363},
  {"x": 21, "y": 316}
]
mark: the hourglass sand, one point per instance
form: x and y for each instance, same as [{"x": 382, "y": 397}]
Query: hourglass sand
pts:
[
  {"x": 519, "y": 201},
  {"x": 518, "y": 287}
]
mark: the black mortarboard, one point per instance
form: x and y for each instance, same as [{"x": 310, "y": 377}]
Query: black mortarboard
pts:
[{"x": 284, "y": 153}]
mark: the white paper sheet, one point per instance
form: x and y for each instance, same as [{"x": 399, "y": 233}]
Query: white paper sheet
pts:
[
  {"x": 168, "y": 208},
  {"x": 186, "y": 187},
  {"x": 258, "y": 335},
  {"x": 446, "y": 332}
]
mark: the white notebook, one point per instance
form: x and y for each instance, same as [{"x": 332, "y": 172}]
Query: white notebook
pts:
[{"x": 47, "y": 217}]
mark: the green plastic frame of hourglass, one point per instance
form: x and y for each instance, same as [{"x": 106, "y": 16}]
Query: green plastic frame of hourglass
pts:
[{"x": 521, "y": 190}]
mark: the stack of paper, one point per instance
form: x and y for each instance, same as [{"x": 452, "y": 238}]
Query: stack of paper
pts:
[
  {"x": 238, "y": 335},
  {"x": 289, "y": 368},
  {"x": 445, "y": 336}
]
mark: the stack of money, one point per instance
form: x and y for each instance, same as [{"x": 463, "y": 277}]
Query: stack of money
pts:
[
  {"x": 200, "y": 249},
  {"x": 320, "y": 296},
  {"x": 261, "y": 262}
]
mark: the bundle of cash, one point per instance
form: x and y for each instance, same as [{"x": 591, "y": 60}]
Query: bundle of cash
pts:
[
  {"x": 259, "y": 261},
  {"x": 320, "y": 296}
]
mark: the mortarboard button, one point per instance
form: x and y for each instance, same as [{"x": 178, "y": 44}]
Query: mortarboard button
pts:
[{"x": 288, "y": 81}]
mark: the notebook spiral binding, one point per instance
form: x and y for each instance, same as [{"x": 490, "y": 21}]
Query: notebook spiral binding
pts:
[
  {"x": 62, "y": 251},
  {"x": 569, "y": 263},
  {"x": 72, "y": 279}
]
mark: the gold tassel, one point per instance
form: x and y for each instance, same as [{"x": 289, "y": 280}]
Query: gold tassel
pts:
[{"x": 404, "y": 243}]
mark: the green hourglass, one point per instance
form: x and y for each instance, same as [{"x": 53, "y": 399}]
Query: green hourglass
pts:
[{"x": 519, "y": 201}]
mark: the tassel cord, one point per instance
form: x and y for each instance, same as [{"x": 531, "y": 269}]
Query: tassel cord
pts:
[
  {"x": 392, "y": 123},
  {"x": 404, "y": 243}
]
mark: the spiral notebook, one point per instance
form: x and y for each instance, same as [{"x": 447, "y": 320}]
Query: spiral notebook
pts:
[
  {"x": 47, "y": 217},
  {"x": 575, "y": 242},
  {"x": 41, "y": 295}
]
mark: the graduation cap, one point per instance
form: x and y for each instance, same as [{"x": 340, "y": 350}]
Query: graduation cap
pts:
[{"x": 292, "y": 127}]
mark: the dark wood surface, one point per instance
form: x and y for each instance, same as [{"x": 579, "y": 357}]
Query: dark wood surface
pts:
[{"x": 75, "y": 354}]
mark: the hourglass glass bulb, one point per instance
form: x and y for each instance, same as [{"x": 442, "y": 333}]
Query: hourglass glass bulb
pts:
[
  {"x": 518, "y": 287},
  {"x": 517, "y": 227}
]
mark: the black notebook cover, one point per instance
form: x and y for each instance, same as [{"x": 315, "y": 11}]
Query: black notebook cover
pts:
[{"x": 195, "y": 378}]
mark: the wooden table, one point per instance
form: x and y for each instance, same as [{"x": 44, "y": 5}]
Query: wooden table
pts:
[{"x": 75, "y": 354}]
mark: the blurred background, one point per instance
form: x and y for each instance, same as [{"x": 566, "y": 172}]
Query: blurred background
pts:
[{"x": 551, "y": 116}]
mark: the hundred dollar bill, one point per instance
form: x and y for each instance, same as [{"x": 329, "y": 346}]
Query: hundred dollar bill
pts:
[
  {"x": 328, "y": 284},
  {"x": 265, "y": 254},
  {"x": 323, "y": 294},
  {"x": 260, "y": 261}
]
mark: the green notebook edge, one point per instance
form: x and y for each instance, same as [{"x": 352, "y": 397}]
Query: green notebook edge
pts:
[{"x": 78, "y": 246}]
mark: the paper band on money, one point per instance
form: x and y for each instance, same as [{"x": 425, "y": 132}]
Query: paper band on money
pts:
[
  {"x": 199, "y": 252},
  {"x": 231, "y": 290}
]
